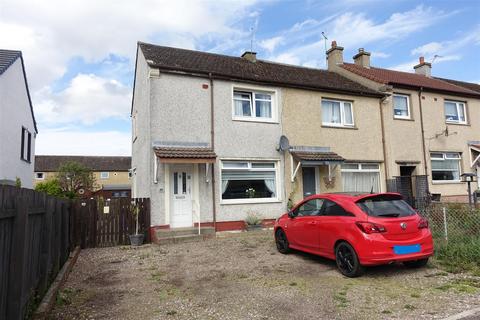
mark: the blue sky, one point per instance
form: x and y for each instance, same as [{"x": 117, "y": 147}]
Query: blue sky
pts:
[{"x": 80, "y": 54}]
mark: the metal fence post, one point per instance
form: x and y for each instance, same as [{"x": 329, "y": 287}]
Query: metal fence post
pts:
[{"x": 445, "y": 223}]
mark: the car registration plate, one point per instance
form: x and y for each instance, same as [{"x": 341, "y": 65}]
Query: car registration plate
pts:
[{"x": 406, "y": 249}]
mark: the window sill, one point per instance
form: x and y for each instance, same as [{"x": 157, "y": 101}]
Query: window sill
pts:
[
  {"x": 254, "y": 120},
  {"x": 250, "y": 201},
  {"x": 457, "y": 123},
  {"x": 339, "y": 127},
  {"x": 24, "y": 160},
  {"x": 447, "y": 182},
  {"x": 404, "y": 119}
]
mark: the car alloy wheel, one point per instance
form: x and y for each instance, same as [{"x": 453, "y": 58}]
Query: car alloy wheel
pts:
[
  {"x": 347, "y": 260},
  {"x": 281, "y": 241}
]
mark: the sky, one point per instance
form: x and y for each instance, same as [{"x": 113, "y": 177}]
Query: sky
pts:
[{"x": 80, "y": 54}]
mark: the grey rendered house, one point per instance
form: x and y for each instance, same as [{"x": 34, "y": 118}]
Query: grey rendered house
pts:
[
  {"x": 18, "y": 128},
  {"x": 206, "y": 131}
]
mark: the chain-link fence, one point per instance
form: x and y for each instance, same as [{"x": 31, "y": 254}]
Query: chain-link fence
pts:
[{"x": 456, "y": 233}]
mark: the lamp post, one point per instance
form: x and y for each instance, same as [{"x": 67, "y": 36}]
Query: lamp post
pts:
[{"x": 468, "y": 177}]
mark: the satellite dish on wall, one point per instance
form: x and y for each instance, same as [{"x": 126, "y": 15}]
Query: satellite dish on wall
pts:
[{"x": 284, "y": 144}]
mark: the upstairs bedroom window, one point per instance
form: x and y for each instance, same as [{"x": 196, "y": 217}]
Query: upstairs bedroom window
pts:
[
  {"x": 245, "y": 181},
  {"x": 337, "y": 113},
  {"x": 26, "y": 145},
  {"x": 401, "y": 106},
  {"x": 253, "y": 105},
  {"x": 455, "y": 112},
  {"x": 445, "y": 166}
]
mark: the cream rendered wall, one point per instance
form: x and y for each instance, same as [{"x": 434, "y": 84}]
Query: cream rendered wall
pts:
[{"x": 302, "y": 124}]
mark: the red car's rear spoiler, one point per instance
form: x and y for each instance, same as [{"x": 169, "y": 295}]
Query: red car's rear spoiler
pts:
[{"x": 384, "y": 195}]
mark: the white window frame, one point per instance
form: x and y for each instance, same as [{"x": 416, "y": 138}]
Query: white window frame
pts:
[
  {"x": 342, "y": 123},
  {"x": 104, "y": 177},
  {"x": 360, "y": 169},
  {"x": 458, "y": 105},
  {"x": 445, "y": 156},
  {"x": 42, "y": 178},
  {"x": 278, "y": 181},
  {"x": 252, "y": 90},
  {"x": 409, "y": 115}
]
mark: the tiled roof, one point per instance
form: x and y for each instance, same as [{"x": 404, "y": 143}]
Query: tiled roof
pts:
[
  {"x": 95, "y": 163},
  {"x": 241, "y": 69},
  {"x": 468, "y": 85},
  {"x": 393, "y": 77},
  {"x": 7, "y": 58},
  {"x": 316, "y": 156},
  {"x": 185, "y": 153}
]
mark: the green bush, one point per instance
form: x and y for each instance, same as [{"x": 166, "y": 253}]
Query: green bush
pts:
[{"x": 51, "y": 187}]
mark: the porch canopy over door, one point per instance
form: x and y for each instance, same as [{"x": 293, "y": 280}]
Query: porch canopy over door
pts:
[
  {"x": 314, "y": 156},
  {"x": 183, "y": 154}
]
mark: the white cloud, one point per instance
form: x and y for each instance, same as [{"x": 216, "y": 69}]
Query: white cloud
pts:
[
  {"x": 87, "y": 100},
  {"x": 381, "y": 55},
  {"x": 271, "y": 44},
  {"x": 107, "y": 143},
  {"x": 428, "y": 49},
  {"x": 304, "y": 41}
]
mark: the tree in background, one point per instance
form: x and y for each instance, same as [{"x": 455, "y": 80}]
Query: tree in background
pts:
[
  {"x": 51, "y": 187},
  {"x": 73, "y": 176}
]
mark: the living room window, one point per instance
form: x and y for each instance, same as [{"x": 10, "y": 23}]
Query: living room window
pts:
[
  {"x": 361, "y": 177},
  {"x": 445, "y": 166},
  {"x": 455, "y": 112},
  {"x": 401, "y": 106},
  {"x": 337, "y": 113},
  {"x": 253, "y": 105},
  {"x": 249, "y": 181}
]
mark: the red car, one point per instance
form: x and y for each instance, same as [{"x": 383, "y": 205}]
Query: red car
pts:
[{"x": 356, "y": 231}]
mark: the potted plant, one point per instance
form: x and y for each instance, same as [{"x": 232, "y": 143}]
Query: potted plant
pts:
[
  {"x": 250, "y": 193},
  {"x": 137, "y": 238},
  {"x": 253, "y": 221}
]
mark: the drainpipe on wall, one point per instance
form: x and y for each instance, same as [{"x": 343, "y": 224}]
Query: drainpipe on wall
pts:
[
  {"x": 212, "y": 143},
  {"x": 423, "y": 130},
  {"x": 383, "y": 139}
]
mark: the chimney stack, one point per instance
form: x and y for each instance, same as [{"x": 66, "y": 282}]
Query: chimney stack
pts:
[
  {"x": 362, "y": 58},
  {"x": 250, "y": 56},
  {"x": 423, "y": 68},
  {"x": 334, "y": 55}
]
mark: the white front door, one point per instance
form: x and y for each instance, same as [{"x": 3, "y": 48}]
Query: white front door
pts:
[{"x": 181, "y": 186}]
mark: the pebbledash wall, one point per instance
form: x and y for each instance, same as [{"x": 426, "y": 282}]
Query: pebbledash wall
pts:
[
  {"x": 170, "y": 107},
  {"x": 15, "y": 113}
]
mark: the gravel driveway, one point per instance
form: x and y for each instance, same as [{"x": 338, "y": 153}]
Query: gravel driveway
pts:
[{"x": 242, "y": 276}]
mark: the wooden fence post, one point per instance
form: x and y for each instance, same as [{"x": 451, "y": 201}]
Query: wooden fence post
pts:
[
  {"x": 16, "y": 283},
  {"x": 46, "y": 260}
]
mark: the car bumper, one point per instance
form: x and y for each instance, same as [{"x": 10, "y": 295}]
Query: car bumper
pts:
[{"x": 381, "y": 251}]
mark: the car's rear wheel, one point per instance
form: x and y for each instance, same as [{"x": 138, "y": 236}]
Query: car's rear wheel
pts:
[
  {"x": 282, "y": 242},
  {"x": 347, "y": 260},
  {"x": 416, "y": 263}
]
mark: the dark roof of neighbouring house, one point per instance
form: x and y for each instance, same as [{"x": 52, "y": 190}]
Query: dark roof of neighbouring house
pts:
[
  {"x": 407, "y": 79},
  {"x": 185, "y": 152},
  {"x": 468, "y": 85},
  {"x": 241, "y": 69},
  {"x": 7, "y": 58},
  {"x": 95, "y": 163}
]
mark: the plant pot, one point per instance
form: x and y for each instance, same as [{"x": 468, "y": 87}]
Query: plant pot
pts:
[
  {"x": 136, "y": 239},
  {"x": 254, "y": 227}
]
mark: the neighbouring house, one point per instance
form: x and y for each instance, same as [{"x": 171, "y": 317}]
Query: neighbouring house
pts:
[
  {"x": 206, "y": 130},
  {"x": 112, "y": 173},
  {"x": 431, "y": 125},
  {"x": 18, "y": 128}
]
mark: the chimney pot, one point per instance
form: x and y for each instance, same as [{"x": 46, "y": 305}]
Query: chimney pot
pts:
[
  {"x": 423, "y": 68},
  {"x": 362, "y": 58},
  {"x": 250, "y": 56},
  {"x": 334, "y": 55}
]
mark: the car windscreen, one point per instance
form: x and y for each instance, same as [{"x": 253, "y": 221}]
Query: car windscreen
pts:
[{"x": 386, "y": 206}]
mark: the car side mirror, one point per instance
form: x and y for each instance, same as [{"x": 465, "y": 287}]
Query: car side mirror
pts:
[{"x": 291, "y": 214}]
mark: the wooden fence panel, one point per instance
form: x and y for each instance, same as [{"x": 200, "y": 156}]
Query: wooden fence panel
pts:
[
  {"x": 34, "y": 244},
  {"x": 94, "y": 226}
]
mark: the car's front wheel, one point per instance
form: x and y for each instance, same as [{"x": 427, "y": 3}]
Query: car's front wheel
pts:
[
  {"x": 282, "y": 241},
  {"x": 347, "y": 260},
  {"x": 416, "y": 263}
]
